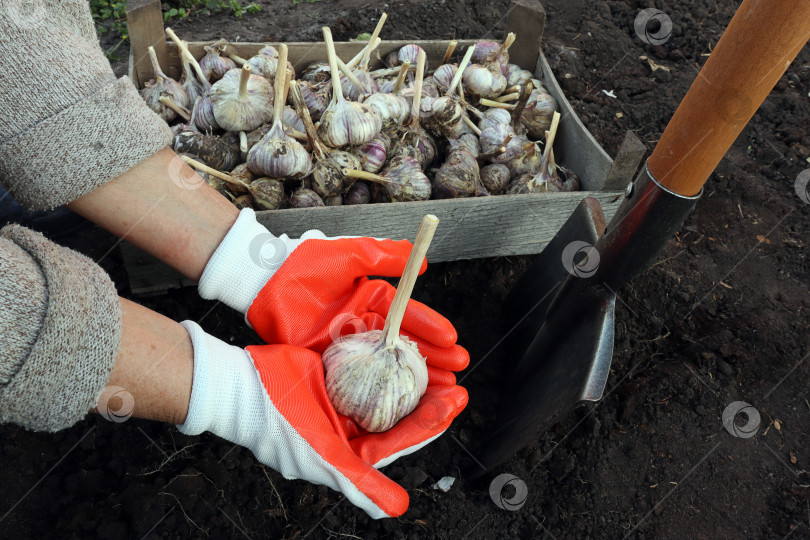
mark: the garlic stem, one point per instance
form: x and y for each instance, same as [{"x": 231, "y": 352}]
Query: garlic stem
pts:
[
  {"x": 510, "y": 39},
  {"x": 295, "y": 134},
  {"x": 374, "y": 35},
  {"x": 243, "y": 81},
  {"x": 417, "y": 88},
  {"x": 213, "y": 172},
  {"x": 495, "y": 104},
  {"x": 279, "y": 85},
  {"x": 243, "y": 143},
  {"x": 403, "y": 71},
  {"x": 237, "y": 59},
  {"x": 396, "y": 312},
  {"x": 525, "y": 94},
  {"x": 512, "y": 89},
  {"x": 337, "y": 90},
  {"x": 185, "y": 54},
  {"x": 508, "y": 97},
  {"x": 287, "y": 80},
  {"x": 155, "y": 65},
  {"x": 460, "y": 71},
  {"x": 365, "y": 175},
  {"x": 303, "y": 113},
  {"x": 175, "y": 107},
  {"x": 451, "y": 48},
  {"x": 349, "y": 75},
  {"x": 550, "y": 135},
  {"x": 471, "y": 125}
]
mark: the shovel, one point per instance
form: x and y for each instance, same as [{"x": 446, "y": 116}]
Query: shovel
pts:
[{"x": 562, "y": 310}]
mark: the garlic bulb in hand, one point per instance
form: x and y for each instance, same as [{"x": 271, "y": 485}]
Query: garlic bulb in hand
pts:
[
  {"x": 345, "y": 122},
  {"x": 163, "y": 86},
  {"x": 377, "y": 378},
  {"x": 242, "y": 101},
  {"x": 278, "y": 155}
]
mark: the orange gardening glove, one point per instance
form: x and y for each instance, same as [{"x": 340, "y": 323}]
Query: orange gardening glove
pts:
[{"x": 272, "y": 400}]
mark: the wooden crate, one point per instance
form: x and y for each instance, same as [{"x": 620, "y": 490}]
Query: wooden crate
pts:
[{"x": 471, "y": 228}]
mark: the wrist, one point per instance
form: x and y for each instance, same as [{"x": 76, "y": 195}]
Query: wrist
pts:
[
  {"x": 224, "y": 382},
  {"x": 242, "y": 263},
  {"x": 245, "y": 260}
]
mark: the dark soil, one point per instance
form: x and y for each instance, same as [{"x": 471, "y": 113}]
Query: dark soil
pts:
[{"x": 722, "y": 317}]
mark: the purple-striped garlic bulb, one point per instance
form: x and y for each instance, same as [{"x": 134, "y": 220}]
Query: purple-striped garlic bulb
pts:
[
  {"x": 213, "y": 64},
  {"x": 374, "y": 153}
]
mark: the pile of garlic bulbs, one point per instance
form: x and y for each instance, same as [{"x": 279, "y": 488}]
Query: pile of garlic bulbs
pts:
[{"x": 342, "y": 133}]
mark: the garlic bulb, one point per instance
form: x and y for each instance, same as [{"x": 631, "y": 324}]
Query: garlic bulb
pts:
[
  {"x": 291, "y": 119},
  {"x": 373, "y": 154},
  {"x": 494, "y": 136},
  {"x": 494, "y": 55},
  {"x": 368, "y": 86},
  {"x": 467, "y": 142},
  {"x": 528, "y": 162},
  {"x": 278, "y": 155},
  {"x": 315, "y": 98},
  {"x": 345, "y": 122},
  {"x": 357, "y": 194},
  {"x": 391, "y": 108},
  {"x": 444, "y": 117},
  {"x": 402, "y": 179},
  {"x": 242, "y": 101},
  {"x": 547, "y": 179},
  {"x": 483, "y": 81},
  {"x": 517, "y": 76},
  {"x": 210, "y": 149},
  {"x": 444, "y": 75},
  {"x": 305, "y": 198},
  {"x": 458, "y": 177},
  {"x": 376, "y": 378},
  {"x": 191, "y": 84},
  {"x": 317, "y": 72},
  {"x": 538, "y": 112},
  {"x": 213, "y": 64},
  {"x": 495, "y": 178},
  {"x": 163, "y": 86}
]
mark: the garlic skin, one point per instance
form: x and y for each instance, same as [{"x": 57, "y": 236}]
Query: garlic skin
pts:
[
  {"x": 373, "y": 384},
  {"x": 483, "y": 81},
  {"x": 213, "y": 65},
  {"x": 268, "y": 193},
  {"x": 315, "y": 98},
  {"x": 495, "y": 178},
  {"x": 346, "y": 123},
  {"x": 279, "y": 156},
  {"x": 242, "y": 102},
  {"x": 203, "y": 114},
  {"x": 537, "y": 114},
  {"x": 443, "y": 117},
  {"x": 517, "y": 76},
  {"x": 359, "y": 193},
  {"x": 305, "y": 198},
  {"x": 163, "y": 86},
  {"x": 392, "y": 109},
  {"x": 443, "y": 76},
  {"x": 466, "y": 141},
  {"x": 354, "y": 93},
  {"x": 316, "y": 72},
  {"x": 458, "y": 177},
  {"x": 373, "y": 154}
]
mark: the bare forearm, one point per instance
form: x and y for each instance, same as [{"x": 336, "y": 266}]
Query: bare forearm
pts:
[
  {"x": 164, "y": 208},
  {"x": 154, "y": 364}
]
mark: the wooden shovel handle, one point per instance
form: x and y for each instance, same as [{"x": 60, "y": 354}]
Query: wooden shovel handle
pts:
[{"x": 759, "y": 44}]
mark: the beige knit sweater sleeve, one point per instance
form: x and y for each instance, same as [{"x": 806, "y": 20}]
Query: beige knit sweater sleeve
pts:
[{"x": 67, "y": 125}]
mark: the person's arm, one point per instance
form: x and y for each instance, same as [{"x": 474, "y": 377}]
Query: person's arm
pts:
[
  {"x": 162, "y": 206},
  {"x": 154, "y": 364}
]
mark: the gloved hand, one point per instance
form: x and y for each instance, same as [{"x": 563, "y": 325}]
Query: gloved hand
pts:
[
  {"x": 272, "y": 400},
  {"x": 306, "y": 291}
]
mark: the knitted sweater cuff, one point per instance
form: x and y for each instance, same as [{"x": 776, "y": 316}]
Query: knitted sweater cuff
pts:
[
  {"x": 77, "y": 341},
  {"x": 71, "y": 153}
]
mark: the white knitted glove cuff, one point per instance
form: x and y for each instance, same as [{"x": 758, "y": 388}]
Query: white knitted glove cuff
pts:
[
  {"x": 246, "y": 258},
  {"x": 226, "y": 392}
]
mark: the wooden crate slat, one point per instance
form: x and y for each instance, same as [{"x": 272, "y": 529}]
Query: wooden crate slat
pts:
[{"x": 470, "y": 228}]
